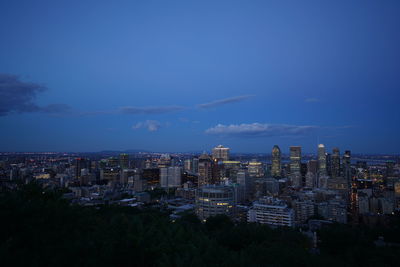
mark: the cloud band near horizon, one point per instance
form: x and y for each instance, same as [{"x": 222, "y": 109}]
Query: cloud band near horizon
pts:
[{"x": 260, "y": 130}]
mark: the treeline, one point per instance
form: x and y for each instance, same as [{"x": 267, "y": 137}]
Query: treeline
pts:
[{"x": 39, "y": 228}]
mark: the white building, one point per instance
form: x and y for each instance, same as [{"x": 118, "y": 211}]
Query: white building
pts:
[{"x": 271, "y": 211}]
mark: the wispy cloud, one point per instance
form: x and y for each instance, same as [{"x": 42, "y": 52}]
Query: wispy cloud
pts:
[
  {"x": 19, "y": 96},
  {"x": 259, "y": 129},
  {"x": 150, "y": 110},
  {"x": 312, "y": 100},
  {"x": 150, "y": 125},
  {"x": 224, "y": 101}
]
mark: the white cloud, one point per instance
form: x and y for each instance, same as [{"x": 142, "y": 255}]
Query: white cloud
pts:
[
  {"x": 259, "y": 129},
  {"x": 150, "y": 125}
]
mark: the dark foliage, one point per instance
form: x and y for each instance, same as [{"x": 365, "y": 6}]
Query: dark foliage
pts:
[{"x": 39, "y": 228}]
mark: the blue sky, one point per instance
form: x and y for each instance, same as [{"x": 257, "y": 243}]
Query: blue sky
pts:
[{"x": 189, "y": 75}]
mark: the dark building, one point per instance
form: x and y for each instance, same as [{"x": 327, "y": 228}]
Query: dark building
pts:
[
  {"x": 151, "y": 176},
  {"x": 124, "y": 161},
  {"x": 190, "y": 177},
  {"x": 347, "y": 166},
  {"x": 335, "y": 169},
  {"x": 81, "y": 163},
  {"x": 328, "y": 164}
]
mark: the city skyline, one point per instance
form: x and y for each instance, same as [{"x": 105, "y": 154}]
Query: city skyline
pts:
[{"x": 178, "y": 76}]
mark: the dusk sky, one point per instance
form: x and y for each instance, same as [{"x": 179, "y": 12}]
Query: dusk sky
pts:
[{"x": 183, "y": 76}]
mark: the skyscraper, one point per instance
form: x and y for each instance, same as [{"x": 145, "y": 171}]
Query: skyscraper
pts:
[
  {"x": 124, "y": 161},
  {"x": 221, "y": 153},
  {"x": 205, "y": 169},
  {"x": 347, "y": 166},
  {"x": 335, "y": 163},
  {"x": 80, "y": 163},
  {"x": 276, "y": 161},
  {"x": 295, "y": 159},
  {"x": 321, "y": 160},
  {"x": 170, "y": 177},
  {"x": 188, "y": 165},
  {"x": 195, "y": 165}
]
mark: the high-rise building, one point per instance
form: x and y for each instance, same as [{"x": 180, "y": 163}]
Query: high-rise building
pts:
[
  {"x": 195, "y": 165},
  {"x": 312, "y": 166},
  {"x": 215, "y": 200},
  {"x": 335, "y": 163},
  {"x": 124, "y": 161},
  {"x": 221, "y": 153},
  {"x": 243, "y": 179},
  {"x": 256, "y": 169},
  {"x": 276, "y": 162},
  {"x": 113, "y": 162},
  {"x": 295, "y": 159},
  {"x": 347, "y": 166},
  {"x": 205, "y": 169},
  {"x": 321, "y": 160},
  {"x": 188, "y": 165},
  {"x": 80, "y": 163},
  {"x": 170, "y": 177},
  {"x": 311, "y": 179}
]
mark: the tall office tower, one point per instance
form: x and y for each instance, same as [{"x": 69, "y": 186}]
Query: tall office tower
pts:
[
  {"x": 205, "y": 169},
  {"x": 310, "y": 180},
  {"x": 311, "y": 176},
  {"x": 329, "y": 164},
  {"x": 256, "y": 169},
  {"x": 124, "y": 161},
  {"x": 164, "y": 177},
  {"x": 276, "y": 162},
  {"x": 243, "y": 179},
  {"x": 221, "y": 153},
  {"x": 80, "y": 163},
  {"x": 295, "y": 159},
  {"x": 113, "y": 162},
  {"x": 188, "y": 165},
  {"x": 195, "y": 165},
  {"x": 335, "y": 163},
  {"x": 170, "y": 177},
  {"x": 312, "y": 166},
  {"x": 347, "y": 166},
  {"x": 321, "y": 160}
]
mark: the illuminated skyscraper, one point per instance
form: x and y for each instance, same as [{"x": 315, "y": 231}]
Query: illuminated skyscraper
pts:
[
  {"x": 276, "y": 162},
  {"x": 295, "y": 159},
  {"x": 221, "y": 153},
  {"x": 205, "y": 169},
  {"x": 336, "y": 163},
  {"x": 321, "y": 160}
]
